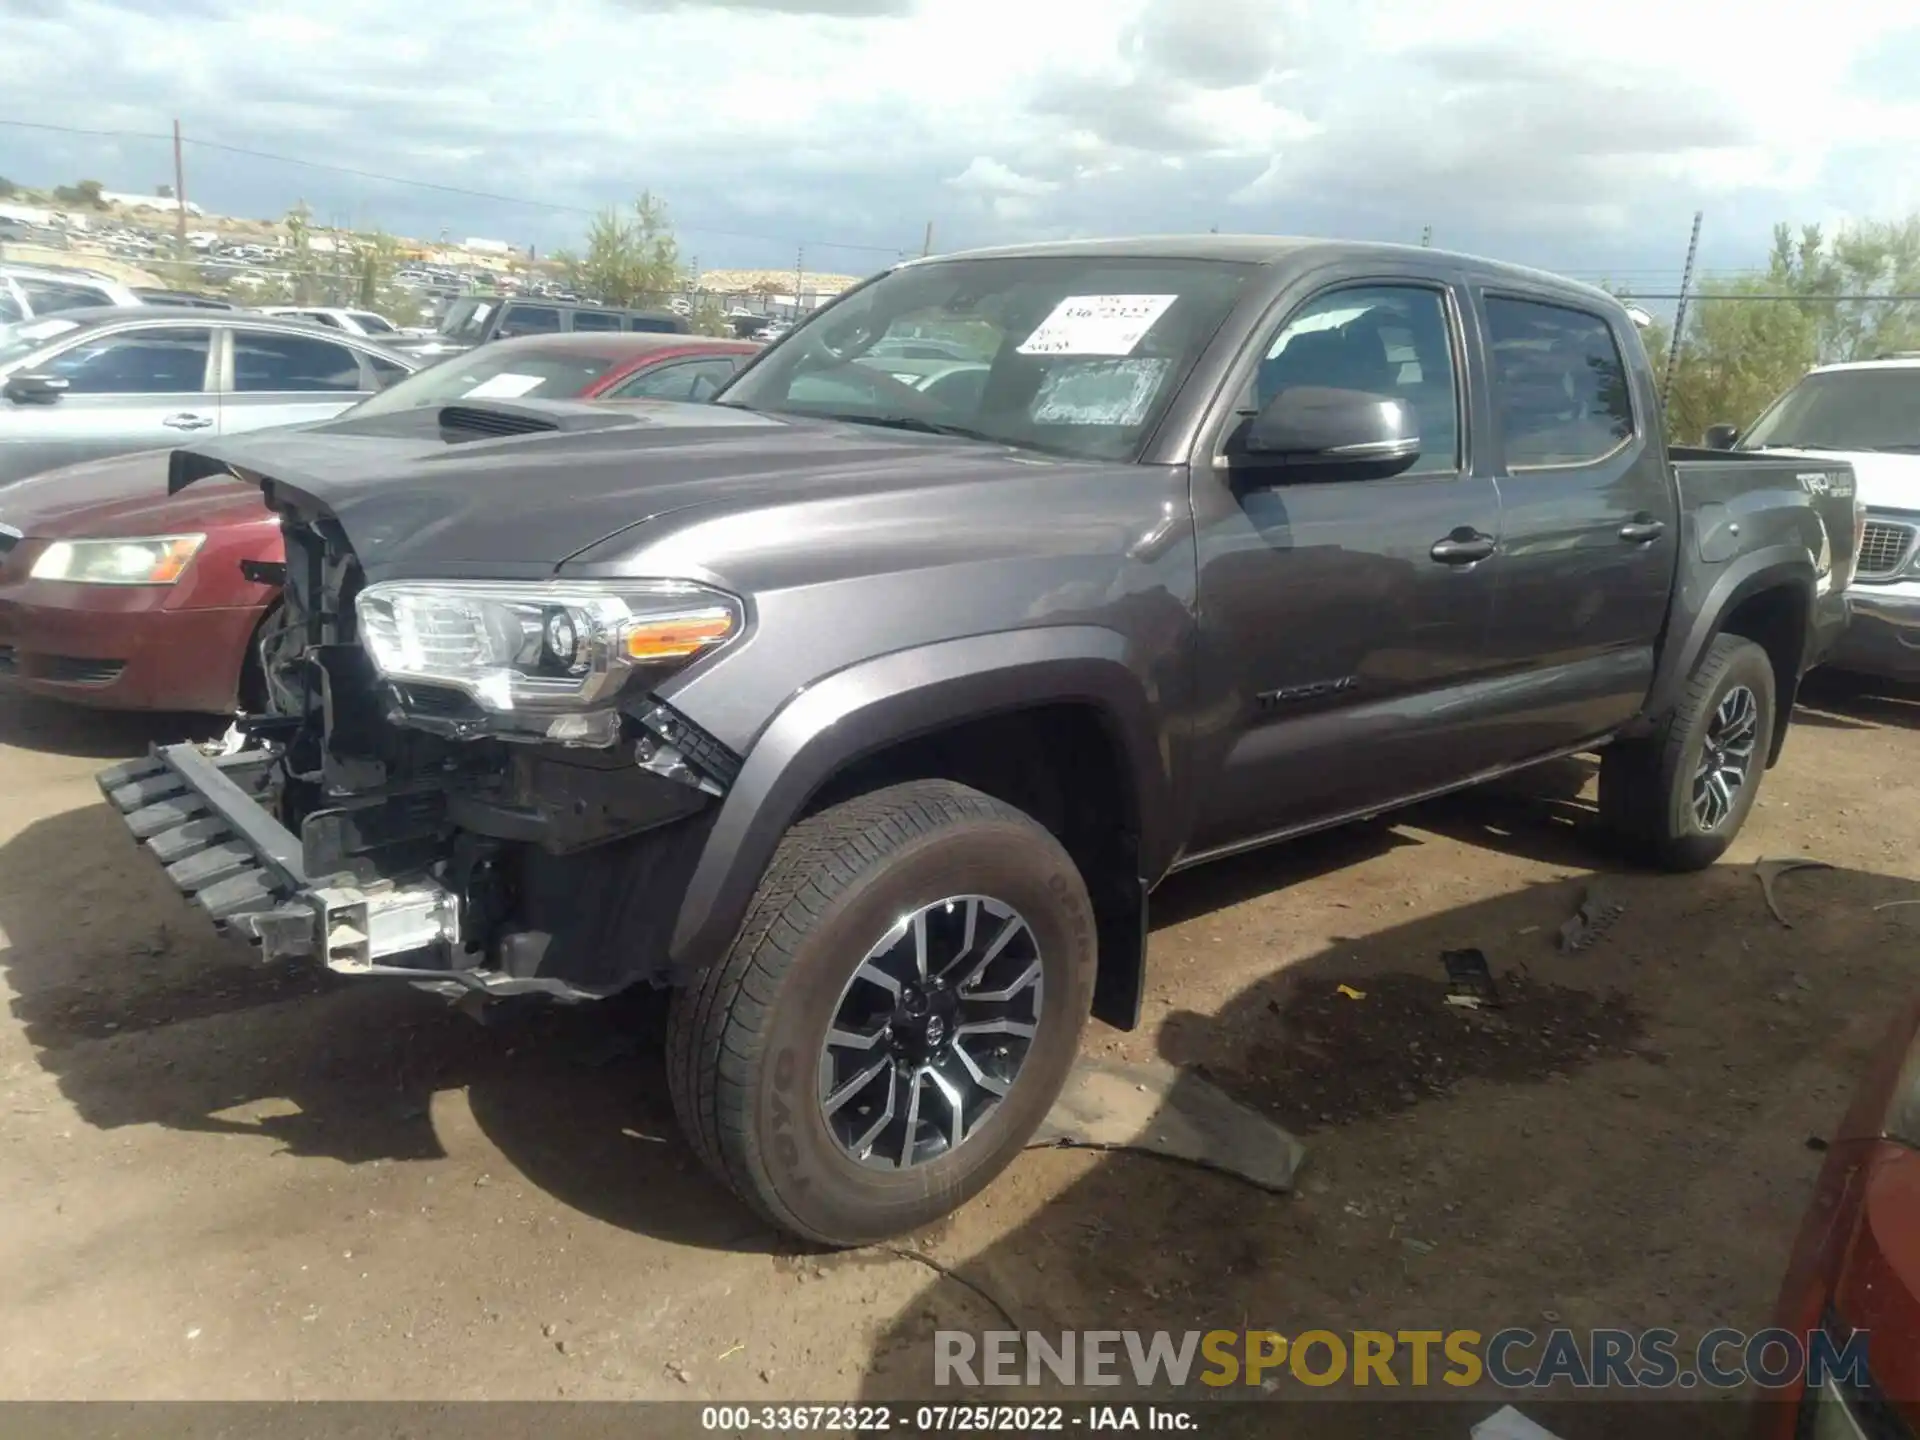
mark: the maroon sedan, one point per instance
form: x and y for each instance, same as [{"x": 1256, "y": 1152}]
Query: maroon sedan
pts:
[
  {"x": 114, "y": 594},
  {"x": 1855, "y": 1269}
]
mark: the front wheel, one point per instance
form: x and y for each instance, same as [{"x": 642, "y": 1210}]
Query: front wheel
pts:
[
  {"x": 896, "y": 1017},
  {"x": 1679, "y": 796}
]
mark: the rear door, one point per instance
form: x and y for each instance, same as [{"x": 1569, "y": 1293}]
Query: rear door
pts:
[
  {"x": 282, "y": 377},
  {"x": 138, "y": 388},
  {"x": 1346, "y": 622},
  {"x": 1589, "y": 513}
]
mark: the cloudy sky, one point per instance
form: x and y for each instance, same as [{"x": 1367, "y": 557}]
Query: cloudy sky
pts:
[{"x": 1580, "y": 137}]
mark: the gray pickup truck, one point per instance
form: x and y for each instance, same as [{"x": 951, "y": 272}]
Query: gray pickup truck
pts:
[{"x": 867, "y": 719}]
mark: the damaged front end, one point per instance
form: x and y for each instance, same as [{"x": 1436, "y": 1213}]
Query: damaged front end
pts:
[{"x": 470, "y": 785}]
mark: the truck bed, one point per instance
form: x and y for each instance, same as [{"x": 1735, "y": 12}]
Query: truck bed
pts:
[{"x": 1718, "y": 487}]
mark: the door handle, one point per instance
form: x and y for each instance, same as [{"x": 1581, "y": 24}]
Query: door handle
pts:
[
  {"x": 1463, "y": 547},
  {"x": 185, "y": 421},
  {"x": 1642, "y": 532}
]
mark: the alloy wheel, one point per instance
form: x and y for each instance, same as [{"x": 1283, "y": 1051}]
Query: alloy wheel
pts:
[
  {"x": 1726, "y": 757},
  {"x": 931, "y": 1032}
]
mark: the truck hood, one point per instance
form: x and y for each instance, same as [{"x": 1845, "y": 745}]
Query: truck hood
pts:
[
  {"x": 1882, "y": 480},
  {"x": 516, "y": 488},
  {"x": 125, "y": 495}
]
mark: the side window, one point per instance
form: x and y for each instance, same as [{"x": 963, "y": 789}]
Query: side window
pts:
[
  {"x": 1384, "y": 339},
  {"x": 1559, "y": 384},
  {"x": 595, "y": 320},
  {"x": 264, "y": 362},
  {"x": 656, "y": 325},
  {"x": 143, "y": 362},
  {"x": 529, "y": 320},
  {"x": 386, "y": 372},
  {"x": 689, "y": 380},
  {"x": 48, "y": 296},
  {"x": 320, "y": 317}
]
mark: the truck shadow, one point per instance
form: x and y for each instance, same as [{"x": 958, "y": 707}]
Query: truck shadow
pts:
[
  {"x": 1573, "y": 1155},
  {"x": 145, "y": 1018}
]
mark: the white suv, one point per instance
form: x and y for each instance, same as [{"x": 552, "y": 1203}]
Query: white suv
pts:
[
  {"x": 1867, "y": 413},
  {"x": 28, "y": 291}
]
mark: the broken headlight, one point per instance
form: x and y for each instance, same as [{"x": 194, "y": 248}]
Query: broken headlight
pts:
[{"x": 541, "y": 658}]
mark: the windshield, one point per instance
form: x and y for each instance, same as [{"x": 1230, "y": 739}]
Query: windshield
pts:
[
  {"x": 466, "y": 320},
  {"x": 489, "y": 374},
  {"x": 19, "y": 341},
  {"x": 1074, "y": 355},
  {"x": 1844, "y": 410}
]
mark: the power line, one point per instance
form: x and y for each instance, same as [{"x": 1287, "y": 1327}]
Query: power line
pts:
[{"x": 433, "y": 185}]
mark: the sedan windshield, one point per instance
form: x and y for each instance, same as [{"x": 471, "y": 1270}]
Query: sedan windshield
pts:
[
  {"x": 1876, "y": 409},
  {"x": 492, "y": 373},
  {"x": 1074, "y": 355}
]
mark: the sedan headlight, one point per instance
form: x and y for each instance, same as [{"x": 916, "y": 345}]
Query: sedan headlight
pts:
[
  {"x": 538, "y": 656},
  {"x": 148, "y": 560}
]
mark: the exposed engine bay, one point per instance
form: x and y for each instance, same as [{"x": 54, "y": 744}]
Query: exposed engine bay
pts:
[{"x": 409, "y": 831}]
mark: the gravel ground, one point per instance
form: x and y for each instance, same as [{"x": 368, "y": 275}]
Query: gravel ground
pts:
[{"x": 229, "y": 1181}]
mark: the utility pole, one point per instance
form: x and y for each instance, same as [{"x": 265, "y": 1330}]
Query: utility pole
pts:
[
  {"x": 179, "y": 206},
  {"x": 926, "y": 246},
  {"x": 799, "y": 277},
  {"x": 1426, "y": 237},
  {"x": 1680, "y": 313}
]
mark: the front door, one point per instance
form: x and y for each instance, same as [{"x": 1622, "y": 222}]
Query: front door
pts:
[
  {"x": 136, "y": 389},
  {"x": 1345, "y": 621}
]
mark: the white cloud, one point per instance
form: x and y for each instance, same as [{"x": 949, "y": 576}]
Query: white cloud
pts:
[{"x": 1567, "y": 135}]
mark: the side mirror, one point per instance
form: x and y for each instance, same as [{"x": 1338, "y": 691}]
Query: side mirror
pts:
[
  {"x": 1721, "y": 437},
  {"x": 1345, "y": 434},
  {"x": 35, "y": 389}
]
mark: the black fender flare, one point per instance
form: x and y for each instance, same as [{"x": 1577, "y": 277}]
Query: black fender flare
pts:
[
  {"x": 1772, "y": 568},
  {"x": 869, "y": 706}
]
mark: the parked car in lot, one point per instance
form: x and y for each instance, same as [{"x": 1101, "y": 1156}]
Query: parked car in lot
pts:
[
  {"x": 481, "y": 319},
  {"x": 367, "y": 323},
  {"x": 1856, "y": 1262},
  {"x": 144, "y": 603},
  {"x": 84, "y": 384},
  {"x": 182, "y": 299},
  {"x": 27, "y": 291},
  {"x": 867, "y": 722},
  {"x": 1867, "y": 414}
]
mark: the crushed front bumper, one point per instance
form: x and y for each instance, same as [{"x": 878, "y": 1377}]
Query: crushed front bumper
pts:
[{"x": 200, "y": 817}]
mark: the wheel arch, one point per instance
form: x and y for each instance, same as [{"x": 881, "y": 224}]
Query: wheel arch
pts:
[
  {"x": 887, "y": 718},
  {"x": 1768, "y": 598}
]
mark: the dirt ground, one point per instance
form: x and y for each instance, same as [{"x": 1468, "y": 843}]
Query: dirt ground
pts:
[{"x": 228, "y": 1181}]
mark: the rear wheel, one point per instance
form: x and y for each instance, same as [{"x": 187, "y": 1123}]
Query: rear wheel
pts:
[
  {"x": 1678, "y": 797},
  {"x": 896, "y": 1017}
]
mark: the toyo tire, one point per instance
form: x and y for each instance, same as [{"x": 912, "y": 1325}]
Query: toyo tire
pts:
[
  {"x": 1677, "y": 798},
  {"x": 896, "y": 894}
]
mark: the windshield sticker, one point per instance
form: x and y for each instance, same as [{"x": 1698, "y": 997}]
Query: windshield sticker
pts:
[
  {"x": 1099, "y": 392},
  {"x": 1097, "y": 325},
  {"x": 504, "y": 386}
]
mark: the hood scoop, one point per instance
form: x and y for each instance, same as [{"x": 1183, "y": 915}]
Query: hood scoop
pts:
[{"x": 492, "y": 421}]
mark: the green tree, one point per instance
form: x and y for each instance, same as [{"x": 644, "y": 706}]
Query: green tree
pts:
[
  {"x": 87, "y": 193},
  {"x": 1739, "y": 354},
  {"x": 631, "y": 256},
  {"x": 301, "y": 280},
  {"x": 7, "y": 188}
]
